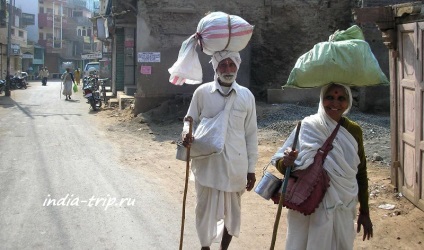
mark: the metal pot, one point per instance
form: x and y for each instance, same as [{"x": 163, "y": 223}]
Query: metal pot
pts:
[
  {"x": 181, "y": 151},
  {"x": 268, "y": 185}
]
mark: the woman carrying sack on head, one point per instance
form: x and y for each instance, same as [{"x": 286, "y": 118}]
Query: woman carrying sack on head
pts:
[
  {"x": 68, "y": 81},
  {"x": 331, "y": 226}
]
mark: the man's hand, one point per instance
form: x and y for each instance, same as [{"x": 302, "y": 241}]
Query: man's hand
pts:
[
  {"x": 187, "y": 140},
  {"x": 251, "y": 179},
  {"x": 365, "y": 221}
]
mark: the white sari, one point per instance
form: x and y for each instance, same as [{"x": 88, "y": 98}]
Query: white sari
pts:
[
  {"x": 331, "y": 225},
  {"x": 67, "y": 84}
]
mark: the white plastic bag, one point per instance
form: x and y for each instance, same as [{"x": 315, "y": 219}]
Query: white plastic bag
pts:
[
  {"x": 187, "y": 68},
  {"x": 215, "y": 32}
]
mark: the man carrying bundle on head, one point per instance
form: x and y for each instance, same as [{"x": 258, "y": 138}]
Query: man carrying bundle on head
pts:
[
  {"x": 221, "y": 179},
  {"x": 224, "y": 147}
]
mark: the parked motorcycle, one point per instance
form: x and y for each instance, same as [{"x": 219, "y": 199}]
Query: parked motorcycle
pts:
[
  {"x": 17, "y": 82},
  {"x": 2, "y": 85},
  {"x": 91, "y": 92}
]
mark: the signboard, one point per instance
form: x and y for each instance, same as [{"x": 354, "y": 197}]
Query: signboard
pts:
[
  {"x": 27, "y": 56},
  {"x": 102, "y": 29},
  {"x": 146, "y": 70},
  {"x": 129, "y": 43},
  {"x": 15, "y": 49},
  {"x": 96, "y": 55},
  {"x": 28, "y": 19},
  {"x": 148, "y": 57}
]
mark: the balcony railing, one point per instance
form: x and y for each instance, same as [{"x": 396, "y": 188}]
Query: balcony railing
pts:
[
  {"x": 53, "y": 46},
  {"x": 46, "y": 20},
  {"x": 48, "y": 44}
]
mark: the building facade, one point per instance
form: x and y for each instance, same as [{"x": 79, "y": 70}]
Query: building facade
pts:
[
  {"x": 66, "y": 33},
  {"x": 20, "y": 53}
]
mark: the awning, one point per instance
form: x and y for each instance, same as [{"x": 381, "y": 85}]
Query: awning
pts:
[{"x": 27, "y": 55}]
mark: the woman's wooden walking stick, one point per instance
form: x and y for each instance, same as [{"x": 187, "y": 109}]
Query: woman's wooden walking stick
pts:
[
  {"x": 283, "y": 191},
  {"x": 190, "y": 120}
]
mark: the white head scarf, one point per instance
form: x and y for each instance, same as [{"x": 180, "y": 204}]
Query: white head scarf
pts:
[
  {"x": 321, "y": 109},
  {"x": 221, "y": 55},
  {"x": 341, "y": 162}
]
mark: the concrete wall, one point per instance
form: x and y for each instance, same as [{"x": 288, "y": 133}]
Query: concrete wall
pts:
[
  {"x": 154, "y": 88},
  {"x": 284, "y": 30}
]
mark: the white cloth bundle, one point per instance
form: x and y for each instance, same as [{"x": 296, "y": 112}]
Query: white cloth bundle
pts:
[{"x": 215, "y": 32}]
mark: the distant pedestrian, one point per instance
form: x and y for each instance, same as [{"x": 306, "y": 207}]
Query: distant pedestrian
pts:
[
  {"x": 43, "y": 74},
  {"x": 77, "y": 75},
  {"x": 68, "y": 81}
]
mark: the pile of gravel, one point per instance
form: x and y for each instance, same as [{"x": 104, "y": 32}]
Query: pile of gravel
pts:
[
  {"x": 276, "y": 121},
  {"x": 281, "y": 119}
]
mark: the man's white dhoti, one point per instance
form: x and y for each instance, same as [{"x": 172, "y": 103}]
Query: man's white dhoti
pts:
[{"x": 214, "y": 207}]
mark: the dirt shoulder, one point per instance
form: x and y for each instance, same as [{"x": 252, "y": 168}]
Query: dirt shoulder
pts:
[{"x": 148, "y": 144}]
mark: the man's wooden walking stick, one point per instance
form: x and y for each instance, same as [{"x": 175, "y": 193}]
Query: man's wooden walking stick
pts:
[
  {"x": 190, "y": 120},
  {"x": 283, "y": 191}
]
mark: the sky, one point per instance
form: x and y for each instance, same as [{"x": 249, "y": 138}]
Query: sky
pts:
[{"x": 29, "y": 6}]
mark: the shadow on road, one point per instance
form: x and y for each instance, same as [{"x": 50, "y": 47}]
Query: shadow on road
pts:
[{"x": 8, "y": 102}]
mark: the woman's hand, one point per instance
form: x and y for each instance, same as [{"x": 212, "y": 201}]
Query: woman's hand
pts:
[
  {"x": 365, "y": 220},
  {"x": 289, "y": 157}
]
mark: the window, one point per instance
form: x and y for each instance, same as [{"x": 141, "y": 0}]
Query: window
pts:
[
  {"x": 57, "y": 44},
  {"x": 77, "y": 14},
  {"x": 38, "y": 54},
  {"x": 41, "y": 10},
  {"x": 40, "y": 36},
  {"x": 21, "y": 33}
]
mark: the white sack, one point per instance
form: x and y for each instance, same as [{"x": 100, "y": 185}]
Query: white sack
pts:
[{"x": 215, "y": 32}]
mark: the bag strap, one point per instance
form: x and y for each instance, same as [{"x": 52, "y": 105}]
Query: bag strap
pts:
[
  {"x": 230, "y": 102},
  {"x": 328, "y": 144},
  {"x": 227, "y": 109}
]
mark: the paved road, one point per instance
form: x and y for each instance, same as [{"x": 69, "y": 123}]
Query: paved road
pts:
[{"x": 63, "y": 187}]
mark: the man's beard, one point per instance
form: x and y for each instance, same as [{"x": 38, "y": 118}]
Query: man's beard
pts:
[{"x": 227, "y": 77}]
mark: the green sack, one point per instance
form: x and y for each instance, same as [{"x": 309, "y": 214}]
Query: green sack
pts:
[
  {"x": 350, "y": 62},
  {"x": 75, "y": 88},
  {"x": 354, "y": 32}
]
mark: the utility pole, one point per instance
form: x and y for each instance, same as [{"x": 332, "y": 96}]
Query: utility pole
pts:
[{"x": 9, "y": 29}]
